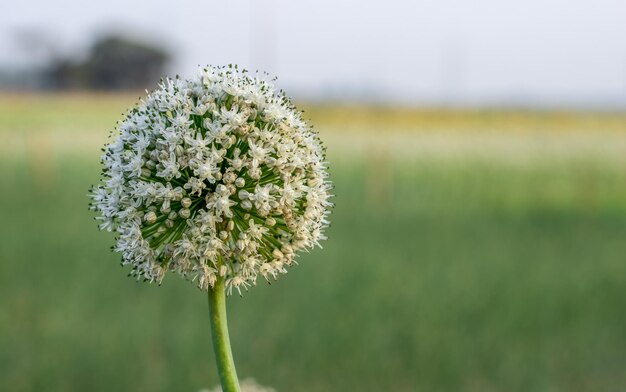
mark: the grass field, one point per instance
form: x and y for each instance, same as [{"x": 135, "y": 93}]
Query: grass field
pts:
[{"x": 469, "y": 251}]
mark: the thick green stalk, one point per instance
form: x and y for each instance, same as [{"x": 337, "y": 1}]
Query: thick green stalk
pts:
[{"x": 221, "y": 341}]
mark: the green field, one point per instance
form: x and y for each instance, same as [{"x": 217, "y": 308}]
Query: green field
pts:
[{"x": 469, "y": 251}]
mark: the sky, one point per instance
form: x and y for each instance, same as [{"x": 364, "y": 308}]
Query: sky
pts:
[{"x": 481, "y": 52}]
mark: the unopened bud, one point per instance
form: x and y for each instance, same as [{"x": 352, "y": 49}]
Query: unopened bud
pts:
[
  {"x": 150, "y": 217},
  {"x": 229, "y": 177},
  {"x": 254, "y": 173},
  {"x": 184, "y": 213},
  {"x": 287, "y": 250},
  {"x": 223, "y": 270}
]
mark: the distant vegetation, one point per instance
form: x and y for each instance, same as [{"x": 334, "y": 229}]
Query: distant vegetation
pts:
[{"x": 114, "y": 63}]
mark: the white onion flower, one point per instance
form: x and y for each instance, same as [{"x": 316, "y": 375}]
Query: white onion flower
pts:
[{"x": 214, "y": 177}]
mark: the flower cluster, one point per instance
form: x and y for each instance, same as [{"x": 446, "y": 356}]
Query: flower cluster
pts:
[{"x": 216, "y": 176}]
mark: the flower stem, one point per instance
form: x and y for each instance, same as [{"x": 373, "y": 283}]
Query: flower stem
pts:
[{"x": 221, "y": 341}]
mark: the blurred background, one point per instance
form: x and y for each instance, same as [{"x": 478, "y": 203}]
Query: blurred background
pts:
[{"x": 478, "y": 241}]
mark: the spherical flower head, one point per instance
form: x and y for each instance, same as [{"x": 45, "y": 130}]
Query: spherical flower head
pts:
[{"x": 216, "y": 176}]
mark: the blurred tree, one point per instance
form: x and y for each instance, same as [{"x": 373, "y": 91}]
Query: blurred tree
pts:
[{"x": 113, "y": 63}]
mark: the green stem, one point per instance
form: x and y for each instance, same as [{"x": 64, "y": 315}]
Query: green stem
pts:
[{"x": 221, "y": 341}]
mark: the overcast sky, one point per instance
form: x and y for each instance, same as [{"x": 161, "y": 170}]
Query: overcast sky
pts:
[{"x": 533, "y": 51}]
